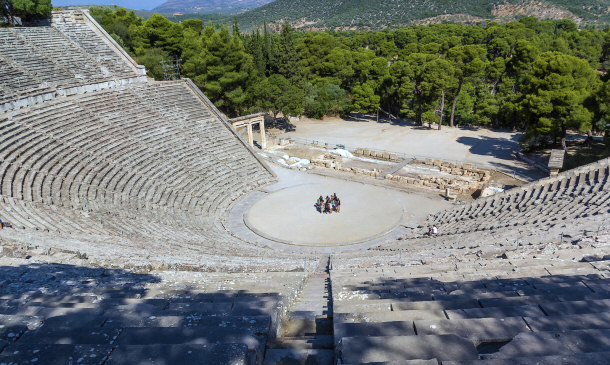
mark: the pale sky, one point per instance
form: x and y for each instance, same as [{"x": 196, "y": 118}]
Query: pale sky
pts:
[{"x": 130, "y": 4}]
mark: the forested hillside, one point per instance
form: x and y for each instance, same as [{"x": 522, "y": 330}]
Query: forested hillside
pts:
[
  {"x": 376, "y": 14},
  {"x": 543, "y": 77},
  {"x": 208, "y": 6}
]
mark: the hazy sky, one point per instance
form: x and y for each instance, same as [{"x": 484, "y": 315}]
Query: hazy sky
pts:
[{"x": 130, "y": 4}]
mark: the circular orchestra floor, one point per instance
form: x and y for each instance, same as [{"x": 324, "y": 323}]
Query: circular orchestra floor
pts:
[{"x": 289, "y": 215}]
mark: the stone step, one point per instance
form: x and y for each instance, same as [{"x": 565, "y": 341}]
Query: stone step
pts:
[
  {"x": 299, "y": 357},
  {"x": 250, "y": 324},
  {"x": 496, "y": 312},
  {"x": 475, "y": 329},
  {"x": 367, "y": 329},
  {"x": 306, "y": 326},
  {"x": 400, "y": 348},
  {"x": 576, "y": 307},
  {"x": 388, "y": 316},
  {"x": 529, "y": 344},
  {"x": 302, "y": 343},
  {"x": 569, "y": 322},
  {"x": 401, "y": 362},
  {"x": 437, "y": 304},
  {"x": 224, "y": 353},
  {"x": 20, "y": 353},
  {"x": 71, "y": 336},
  {"x": 594, "y": 358}
]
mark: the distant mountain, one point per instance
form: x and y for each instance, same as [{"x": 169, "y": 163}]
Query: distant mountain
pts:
[
  {"x": 208, "y": 6},
  {"x": 377, "y": 14}
]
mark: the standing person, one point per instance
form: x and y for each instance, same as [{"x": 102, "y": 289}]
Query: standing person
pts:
[
  {"x": 434, "y": 229},
  {"x": 338, "y": 203}
]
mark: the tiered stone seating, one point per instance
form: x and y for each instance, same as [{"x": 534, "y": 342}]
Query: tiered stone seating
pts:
[
  {"x": 95, "y": 46},
  {"x": 458, "y": 312},
  {"x": 38, "y": 62},
  {"x": 92, "y": 315},
  {"x": 62, "y": 51},
  {"x": 17, "y": 52},
  {"x": 575, "y": 194},
  {"x": 571, "y": 204},
  {"x": 113, "y": 148},
  {"x": 14, "y": 80}
]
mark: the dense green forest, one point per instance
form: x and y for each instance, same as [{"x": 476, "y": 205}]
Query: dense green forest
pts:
[{"x": 543, "y": 77}]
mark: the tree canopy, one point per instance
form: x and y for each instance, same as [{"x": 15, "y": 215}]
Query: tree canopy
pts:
[
  {"x": 542, "y": 77},
  {"x": 26, "y": 10}
]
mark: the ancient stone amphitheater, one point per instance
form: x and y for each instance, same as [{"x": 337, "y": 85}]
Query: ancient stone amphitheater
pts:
[{"x": 117, "y": 199}]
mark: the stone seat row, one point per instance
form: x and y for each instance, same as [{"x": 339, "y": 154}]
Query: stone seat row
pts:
[{"x": 381, "y": 315}]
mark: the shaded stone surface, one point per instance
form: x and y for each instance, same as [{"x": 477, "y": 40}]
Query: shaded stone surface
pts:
[
  {"x": 393, "y": 348},
  {"x": 58, "y": 354},
  {"x": 478, "y": 329},
  {"x": 570, "y": 322},
  {"x": 298, "y": 357},
  {"x": 180, "y": 354}
]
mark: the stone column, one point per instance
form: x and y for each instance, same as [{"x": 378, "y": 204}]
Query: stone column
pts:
[
  {"x": 263, "y": 138},
  {"x": 250, "y": 138}
]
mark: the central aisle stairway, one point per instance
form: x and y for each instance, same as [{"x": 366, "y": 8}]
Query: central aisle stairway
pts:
[{"x": 307, "y": 331}]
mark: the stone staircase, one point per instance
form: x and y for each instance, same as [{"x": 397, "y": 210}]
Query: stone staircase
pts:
[{"x": 307, "y": 330}]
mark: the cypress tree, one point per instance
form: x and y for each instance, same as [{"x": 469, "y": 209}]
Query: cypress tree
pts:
[{"x": 289, "y": 64}]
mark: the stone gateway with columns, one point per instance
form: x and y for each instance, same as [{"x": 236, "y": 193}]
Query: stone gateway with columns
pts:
[{"x": 248, "y": 121}]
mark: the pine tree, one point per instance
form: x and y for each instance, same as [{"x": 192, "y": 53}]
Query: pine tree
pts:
[
  {"x": 229, "y": 70},
  {"x": 269, "y": 52},
  {"x": 27, "y": 10},
  {"x": 289, "y": 64},
  {"x": 236, "y": 32}
]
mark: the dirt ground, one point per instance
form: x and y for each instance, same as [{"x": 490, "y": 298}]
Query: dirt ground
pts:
[{"x": 483, "y": 147}]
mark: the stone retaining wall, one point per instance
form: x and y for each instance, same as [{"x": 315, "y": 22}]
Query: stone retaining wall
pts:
[
  {"x": 358, "y": 171},
  {"x": 459, "y": 169},
  {"x": 386, "y": 156},
  {"x": 438, "y": 183}
]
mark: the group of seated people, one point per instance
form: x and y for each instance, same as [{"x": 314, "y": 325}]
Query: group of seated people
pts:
[{"x": 328, "y": 205}]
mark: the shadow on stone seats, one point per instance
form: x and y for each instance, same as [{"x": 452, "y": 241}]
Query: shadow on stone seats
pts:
[
  {"x": 63, "y": 313},
  {"x": 456, "y": 322}
]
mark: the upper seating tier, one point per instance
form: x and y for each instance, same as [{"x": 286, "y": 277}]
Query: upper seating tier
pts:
[{"x": 48, "y": 60}]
